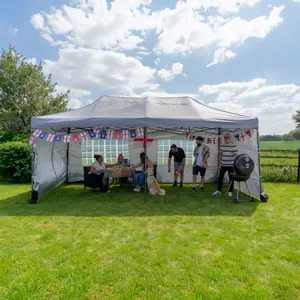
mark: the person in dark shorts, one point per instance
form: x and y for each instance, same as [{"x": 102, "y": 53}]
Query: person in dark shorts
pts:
[
  {"x": 179, "y": 163},
  {"x": 227, "y": 155},
  {"x": 201, "y": 154}
]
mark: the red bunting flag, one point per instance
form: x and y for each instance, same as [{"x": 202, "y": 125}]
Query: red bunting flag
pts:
[
  {"x": 118, "y": 134},
  {"x": 75, "y": 138},
  {"x": 248, "y": 132}
]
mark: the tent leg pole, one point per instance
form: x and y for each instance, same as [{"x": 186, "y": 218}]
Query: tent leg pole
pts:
[
  {"x": 68, "y": 149},
  {"x": 145, "y": 166},
  {"x": 219, "y": 136},
  {"x": 258, "y": 159},
  {"x": 34, "y": 194}
]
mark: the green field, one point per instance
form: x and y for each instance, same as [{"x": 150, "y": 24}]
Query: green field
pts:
[
  {"x": 280, "y": 145},
  {"x": 76, "y": 245}
]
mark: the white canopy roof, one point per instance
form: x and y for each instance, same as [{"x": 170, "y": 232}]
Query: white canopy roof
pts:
[{"x": 126, "y": 112}]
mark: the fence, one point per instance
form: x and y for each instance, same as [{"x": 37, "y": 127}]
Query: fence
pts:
[{"x": 281, "y": 159}]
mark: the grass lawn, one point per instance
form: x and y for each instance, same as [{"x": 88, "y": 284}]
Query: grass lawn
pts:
[
  {"x": 280, "y": 145},
  {"x": 119, "y": 246}
]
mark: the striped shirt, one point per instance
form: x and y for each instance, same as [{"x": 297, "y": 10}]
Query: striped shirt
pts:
[{"x": 229, "y": 152}]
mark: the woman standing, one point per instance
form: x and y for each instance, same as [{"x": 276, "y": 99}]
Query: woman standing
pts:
[{"x": 98, "y": 168}]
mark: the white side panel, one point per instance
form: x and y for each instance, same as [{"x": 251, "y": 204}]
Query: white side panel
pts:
[
  {"x": 249, "y": 146},
  {"x": 211, "y": 140},
  {"x": 75, "y": 169},
  {"x": 49, "y": 165},
  {"x": 137, "y": 147}
]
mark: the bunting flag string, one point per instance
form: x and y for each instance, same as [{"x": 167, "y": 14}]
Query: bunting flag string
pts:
[{"x": 120, "y": 134}]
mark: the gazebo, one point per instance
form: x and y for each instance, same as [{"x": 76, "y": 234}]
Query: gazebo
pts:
[{"x": 57, "y": 137}]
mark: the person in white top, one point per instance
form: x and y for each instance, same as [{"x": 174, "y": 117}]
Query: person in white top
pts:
[
  {"x": 201, "y": 154},
  {"x": 98, "y": 168}
]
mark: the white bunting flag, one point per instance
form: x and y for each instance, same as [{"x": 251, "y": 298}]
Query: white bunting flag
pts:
[
  {"x": 67, "y": 139},
  {"x": 83, "y": 135},
  {"x": 50, "y": 137},
  {"x": 97, "y": 132},
  {"x": 32, "y": 142},
  {"x": 140, "y": 132},
  {"x": 37, "y": 132},
  {"x": 125, "y": 134},
  {"x": 110, "y": 134}
]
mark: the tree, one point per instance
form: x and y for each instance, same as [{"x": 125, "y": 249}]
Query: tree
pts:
[
  {"x": 25, "y": 92},
  {"x": 296, "y": 118}
]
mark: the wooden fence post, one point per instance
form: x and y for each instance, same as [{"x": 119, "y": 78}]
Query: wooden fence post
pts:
[{"x": 298, "y": 177}]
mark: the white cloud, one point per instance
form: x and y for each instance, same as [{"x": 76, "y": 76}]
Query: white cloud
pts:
[
  {"x": 74, "y": 103},
  {"x": 87, "y": 69},
  {"x": 93, "y": 24},
  {"x": 168, "y": 75},
  {"x": 273, "y": 104},
  {"x": 13, "y": 31},
  {"x": 116, "y": 27},
  {"x": 144, "y": 53},
  {"x": 221, "y": 55},
  {"x": 184, "y": 29},
  {"x": 37, "y": 21},
  {"x": 32, "y": 60},
  {"x": 297, "y": 1}
]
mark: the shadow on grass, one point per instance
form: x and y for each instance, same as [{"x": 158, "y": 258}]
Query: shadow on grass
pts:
[{"x": 71, "y": 200}]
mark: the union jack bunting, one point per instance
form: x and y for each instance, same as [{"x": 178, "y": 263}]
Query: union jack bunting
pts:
[
  {"x": 42, "y": 135},
  {"x": 50, "y": 137},
  {"x": 103, "y": 134},
  {"x": 37, "y": 133},
  {"x": 133, "y": 133},
  {"x": 91, "y": 133},
  {"x": 66, "y": 139},
  {"x": 58, "y": 138}
]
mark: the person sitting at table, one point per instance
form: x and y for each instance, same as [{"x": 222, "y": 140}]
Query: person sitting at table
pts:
[
  {"x": 122, "y": 162},
  {"x": 151, "y": 181},
  {"x": 98, "y": 168}
]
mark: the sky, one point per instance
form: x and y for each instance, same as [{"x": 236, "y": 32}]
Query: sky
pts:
[{"x": 237, "y": 55}]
